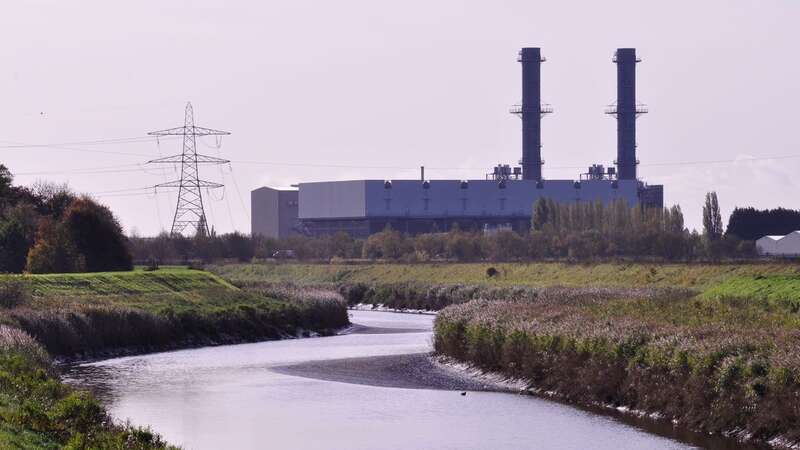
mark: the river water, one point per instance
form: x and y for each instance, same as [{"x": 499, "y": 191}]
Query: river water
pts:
[{"x": 309, "y": 394}]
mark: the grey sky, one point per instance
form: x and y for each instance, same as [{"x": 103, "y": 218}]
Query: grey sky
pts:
[{"x": 399, "y": 84}]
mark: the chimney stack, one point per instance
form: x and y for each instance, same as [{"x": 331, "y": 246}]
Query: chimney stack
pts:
[
  {"x": 531, "y": 112},
  {"x": 626, "y": 110}
]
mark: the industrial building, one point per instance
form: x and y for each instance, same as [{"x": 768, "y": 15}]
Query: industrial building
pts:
[
  {"x": 787, "y": 246},
  {"x": 504, "y": 199}
]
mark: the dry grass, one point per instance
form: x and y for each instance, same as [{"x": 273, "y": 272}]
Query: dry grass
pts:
[{"x": 715, "y": 365}]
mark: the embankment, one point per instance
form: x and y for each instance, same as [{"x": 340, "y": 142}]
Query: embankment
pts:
[
  {"x": 101, "y": 314},
  {"x": 37, "y": 411},
  {"x": 715, "y": 365},
  {"x": 81, "y": 315}
]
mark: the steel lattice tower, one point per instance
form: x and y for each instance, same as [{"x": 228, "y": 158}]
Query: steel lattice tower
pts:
[{"x": 189, "y": 212}]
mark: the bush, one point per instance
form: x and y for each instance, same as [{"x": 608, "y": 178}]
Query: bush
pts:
[
  {"x": 13, "y": 293},
  {"x": 54, "y": 252},
  {"x": 97, "y": 236}
]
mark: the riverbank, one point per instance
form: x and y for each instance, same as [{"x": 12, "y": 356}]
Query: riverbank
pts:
[
  {"x": 79, "y": 316},
  {"x": 86, "y": 315},
  {"x": 712, "y": 347},
  {"x": 37, "y": 411},
  {"x": 359, "y": 390},
  {"x": 722, "y": 366}
]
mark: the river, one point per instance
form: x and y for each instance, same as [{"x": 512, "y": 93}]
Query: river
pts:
[{"x": 311, "y": 394}]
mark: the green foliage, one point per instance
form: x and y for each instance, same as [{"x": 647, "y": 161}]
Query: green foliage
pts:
[
  {"x": 712, "y": 219},
  {"x": 163, "y": 281},
  {"x": 586, "y": 231},
  {"x": 17, "y": 232},
  {"x": 239, "y": 246},
  {"x": 54, "y": 251},
  {"x": 97, "y": 236},
  {"x": 783, "y": 291},
  {"x": 87, "y": 313},
  {"x": 699, "y": 276},
  {"x": 751, "y": 224},
  {"x": 13, "y": 292},
  {"x": 388, "y": 244},
  {"x": 40, "y": 412}
]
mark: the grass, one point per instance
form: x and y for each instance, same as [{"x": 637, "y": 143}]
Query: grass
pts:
[
  {"x": 98, "y": 314},
  {"x": 122, "y": 283},
  {"x": 780, "y": 290},
  {"x": 696, "y": 276},
  {"x": 85, "y": 314},
  {"x": 432, "y": 286},
  {"x": 39, "y": 412},
  {"x": 713, "y": 364}
]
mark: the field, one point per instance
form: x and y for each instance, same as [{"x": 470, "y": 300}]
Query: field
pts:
[{"x": 777, "y": 283}]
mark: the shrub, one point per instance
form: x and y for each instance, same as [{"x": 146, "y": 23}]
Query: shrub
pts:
[
  {"x": 13, "y": 293},
  {"x": 97, "y": 236},
  {"x": 54, "y": 251}
]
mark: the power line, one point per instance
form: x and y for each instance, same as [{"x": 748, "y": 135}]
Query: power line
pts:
[
  {"x": 127, "y": 168},
  {"x": 105, "y": 141}
]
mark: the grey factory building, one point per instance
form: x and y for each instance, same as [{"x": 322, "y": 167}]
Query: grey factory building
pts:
[{"x": 503, "y": 200}]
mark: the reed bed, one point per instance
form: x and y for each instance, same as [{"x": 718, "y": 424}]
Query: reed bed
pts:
[
  {"x": 38, "y": 411},
  {"x": 715, "y": 365}
]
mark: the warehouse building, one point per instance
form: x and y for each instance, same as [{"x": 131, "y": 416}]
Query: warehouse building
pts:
[
  {"x": 274, "y": 212},
  {"x": 504, "y": 199},
  {"x": 787, "y": 246}
]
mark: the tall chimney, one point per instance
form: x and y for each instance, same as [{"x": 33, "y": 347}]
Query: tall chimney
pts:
[
  {"x": 626, "y": 111},
  {"x": 531, "y": 112}
]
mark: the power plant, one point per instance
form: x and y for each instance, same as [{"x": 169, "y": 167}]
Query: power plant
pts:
[{"x": 504, "y": 199}]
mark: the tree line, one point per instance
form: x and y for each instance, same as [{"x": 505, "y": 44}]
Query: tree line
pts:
[
  {"x": 574, "y": 231},
  {"x": 48, "y": 228},
  {"x": 751, "y": 224}
]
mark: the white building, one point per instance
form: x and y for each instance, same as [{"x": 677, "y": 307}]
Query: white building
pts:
[{"x": 788, "y": 245}]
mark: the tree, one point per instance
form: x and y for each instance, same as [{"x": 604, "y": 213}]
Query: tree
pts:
[
  {"x": 712, "y": 219},
  {"x": 751, "y": 224},
  {"x": 341, "y": 245},
  {"x": 53, "y": 199},
  {"x": 505, "y": 244},
  {"x": 97, "y": 236},
  {"x": 429, "y": 245},
  {"x": 5, "y": 181},
  {"x": 239, "y": 246},
  {"x": 54, "y": 251},
  {"x": 388, "y": 244},
  {"x": 17, "y": 232},
  {"x": 541, "y": 214}
]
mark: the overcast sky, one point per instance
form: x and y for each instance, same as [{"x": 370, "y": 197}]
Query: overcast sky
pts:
[{"x": 375, "y": 89}]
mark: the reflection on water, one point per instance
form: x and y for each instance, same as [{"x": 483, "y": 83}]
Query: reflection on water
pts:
[{"x": 228, "y": 397}]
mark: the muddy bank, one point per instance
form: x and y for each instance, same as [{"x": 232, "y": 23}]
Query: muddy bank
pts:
[{"x": 416, "y": 371}]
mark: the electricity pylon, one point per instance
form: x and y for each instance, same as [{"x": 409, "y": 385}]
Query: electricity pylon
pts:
[{"x": 189, "y": 212}]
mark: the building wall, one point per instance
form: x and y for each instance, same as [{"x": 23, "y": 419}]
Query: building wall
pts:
[
  {"x": 363, "y": 207},
  {"x": 334, "y": 199},
  {"x": 446, "y": 198},
  {"x": 766, "y": 245},
  {"x": 788, "y": 245},
  {"x": 273, "y": 212}
]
